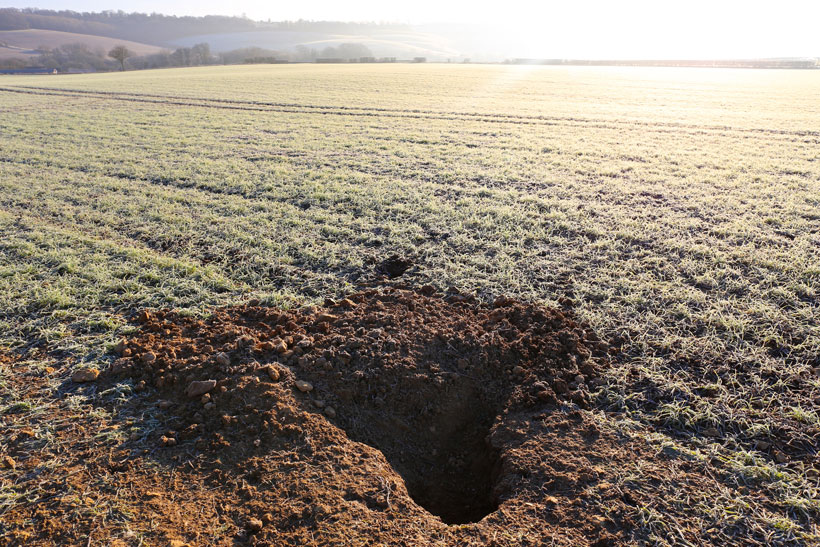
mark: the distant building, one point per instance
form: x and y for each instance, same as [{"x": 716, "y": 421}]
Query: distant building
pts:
[{"x": 419, "y": 59}]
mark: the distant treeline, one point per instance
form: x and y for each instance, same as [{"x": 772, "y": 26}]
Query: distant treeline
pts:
[
  {"x": 160, "y": 29},
  {"x": 738, "y": 63},
  {"x": 200, "y": 54},
  {"x": 81, "y": 58}
]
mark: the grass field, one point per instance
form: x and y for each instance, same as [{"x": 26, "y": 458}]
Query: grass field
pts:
[{"x": 678, "y": 210}]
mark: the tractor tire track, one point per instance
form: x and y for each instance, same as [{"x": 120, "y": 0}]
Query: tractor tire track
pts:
[{"x": 295, "y": 108}]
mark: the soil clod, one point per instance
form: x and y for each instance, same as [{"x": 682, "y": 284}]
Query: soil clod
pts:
[
  {"x": 85, "y": 375},
  {"x": 394, "y": 266}
]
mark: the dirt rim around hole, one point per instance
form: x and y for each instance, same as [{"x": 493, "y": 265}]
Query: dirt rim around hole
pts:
[{"x": 426, "y": 379}]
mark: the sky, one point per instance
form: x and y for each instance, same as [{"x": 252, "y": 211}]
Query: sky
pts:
[{"x": 629, "y": 29}]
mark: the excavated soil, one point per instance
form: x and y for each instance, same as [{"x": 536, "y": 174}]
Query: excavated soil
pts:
[{"x": 433, "y": 384}]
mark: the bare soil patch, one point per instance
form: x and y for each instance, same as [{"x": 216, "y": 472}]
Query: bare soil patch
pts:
[{"x": 421, "y": 378}]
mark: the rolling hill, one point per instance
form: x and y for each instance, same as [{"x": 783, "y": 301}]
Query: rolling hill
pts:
[
  {"x": 24, "y": 43},
  {"x": 381, "y": 43}
]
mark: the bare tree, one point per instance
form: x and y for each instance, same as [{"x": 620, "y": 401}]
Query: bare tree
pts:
[
  {"x": 201, "y": 54},
  {"x": 120, "y": 53}
]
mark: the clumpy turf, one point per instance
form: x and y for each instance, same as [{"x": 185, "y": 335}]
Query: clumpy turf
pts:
[{"x": 674, "y": 211}]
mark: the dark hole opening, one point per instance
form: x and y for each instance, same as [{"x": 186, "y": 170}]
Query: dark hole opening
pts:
[
  {"x": 456, "y": 483},
  {"x": 439, "y": 450}
]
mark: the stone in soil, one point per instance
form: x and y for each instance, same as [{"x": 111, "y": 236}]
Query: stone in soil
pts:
[
  {"x": 200, "y": 387},
  {"x": 303, "y": 386}
]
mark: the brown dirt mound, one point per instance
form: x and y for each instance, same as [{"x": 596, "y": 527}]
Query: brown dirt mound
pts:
[{"x": 386, "y": 401}]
